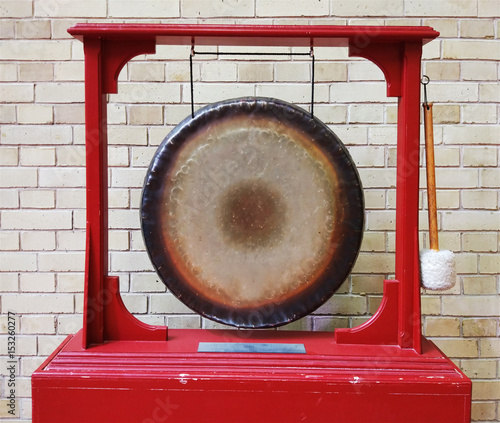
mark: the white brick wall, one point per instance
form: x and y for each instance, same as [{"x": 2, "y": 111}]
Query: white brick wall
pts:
[{"x": 42, "y": 161}]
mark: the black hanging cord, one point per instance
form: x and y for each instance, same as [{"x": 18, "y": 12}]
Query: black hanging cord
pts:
[
  {"x": 425, "y": 81},
  {"x": 252, "y": 53},
  {"x": 191, "y": 77},
  {"x": 237, "y": 53},
  {"x": 312, "y": 81}
]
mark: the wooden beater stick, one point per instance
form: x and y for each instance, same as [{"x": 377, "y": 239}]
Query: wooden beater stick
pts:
[{"x": 431, "y": 177}]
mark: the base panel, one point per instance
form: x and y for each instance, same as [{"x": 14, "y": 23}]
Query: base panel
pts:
[{"x": 146, "y": 382}]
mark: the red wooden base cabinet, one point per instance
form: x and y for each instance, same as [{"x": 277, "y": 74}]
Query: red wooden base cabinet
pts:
[
  {"x": 157, "y": 381},
  {"x": 117, "y": 369}
]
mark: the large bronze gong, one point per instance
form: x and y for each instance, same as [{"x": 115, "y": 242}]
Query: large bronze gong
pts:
[{"x": 252, "y": 212}]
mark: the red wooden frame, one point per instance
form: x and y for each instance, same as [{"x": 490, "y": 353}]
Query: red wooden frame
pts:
[
  {"x": 120, "y": 369},
  {"x": 396, "y": 50}
]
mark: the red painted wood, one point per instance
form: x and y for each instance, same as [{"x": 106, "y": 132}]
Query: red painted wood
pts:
[
  {"x": 407, "y": 182},
  {"x": 119, "y": 324},
  {"x": 97, "y": 190},
  {"x": 256, "y": 35},
  {"x": 331, "y": 383},
  {"x": 400, "y": 63},
  {"x": 387, "y": 58},
  {"x": 105, "y": 316},
  {"x": 118, "y": 369},
  {"x": 109, "y": 46},
  {"x": 116, "y": 54},
  {"x": 382, "y": 328}
]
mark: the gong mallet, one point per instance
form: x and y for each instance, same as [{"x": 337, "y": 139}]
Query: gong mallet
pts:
[{"x": 437, "y": 267}]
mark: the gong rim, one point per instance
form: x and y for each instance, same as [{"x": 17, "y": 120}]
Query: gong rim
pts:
[{"x": 349, "y": 229}]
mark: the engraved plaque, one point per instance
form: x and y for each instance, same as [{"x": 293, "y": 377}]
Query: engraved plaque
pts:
[
  {"x": 251, "y": 347},
  {"x": 252, "y": 212}
]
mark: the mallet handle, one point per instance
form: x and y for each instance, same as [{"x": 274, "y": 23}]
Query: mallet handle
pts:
[{"x": 431, "y": 177}]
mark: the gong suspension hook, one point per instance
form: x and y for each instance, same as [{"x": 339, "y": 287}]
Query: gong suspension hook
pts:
[
  {"x": 425, "y": 81},
  {"x": 237, "y": 53}
]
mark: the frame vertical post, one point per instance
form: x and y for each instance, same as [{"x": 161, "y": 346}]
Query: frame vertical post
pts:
[
  {"x": 97, "y": 193},
  {"x": 105, "y": 315},
  {"x": 407, "y": 189}
]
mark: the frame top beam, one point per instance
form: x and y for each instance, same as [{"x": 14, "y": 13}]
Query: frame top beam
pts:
[{"x": 256, "y": 35}]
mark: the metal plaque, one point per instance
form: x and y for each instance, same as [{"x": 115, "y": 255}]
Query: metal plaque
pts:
[{"x": 251, "y": 347}]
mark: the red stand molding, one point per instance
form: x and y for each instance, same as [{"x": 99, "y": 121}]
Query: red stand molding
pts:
[{"x": 118, "y": 369}]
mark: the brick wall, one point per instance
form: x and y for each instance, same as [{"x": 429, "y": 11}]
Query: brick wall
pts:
[{"x": 42, "y": 174}]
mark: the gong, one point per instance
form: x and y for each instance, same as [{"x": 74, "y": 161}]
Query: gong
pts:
[{"x": 252, "y": 212}]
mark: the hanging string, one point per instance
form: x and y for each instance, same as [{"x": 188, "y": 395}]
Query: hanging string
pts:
[
  {"x": 191, "y": 77},
  {"x": 312, "y": 81},
  {"x": 237, "y": 53}
]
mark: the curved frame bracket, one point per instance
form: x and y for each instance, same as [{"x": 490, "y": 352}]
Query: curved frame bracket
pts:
[
  {"x": 115, "y": 55},
  {"x": 382, "y": 328},
  {"x": 121, "y": 325},
  {"x": 387, "y": 58}
]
